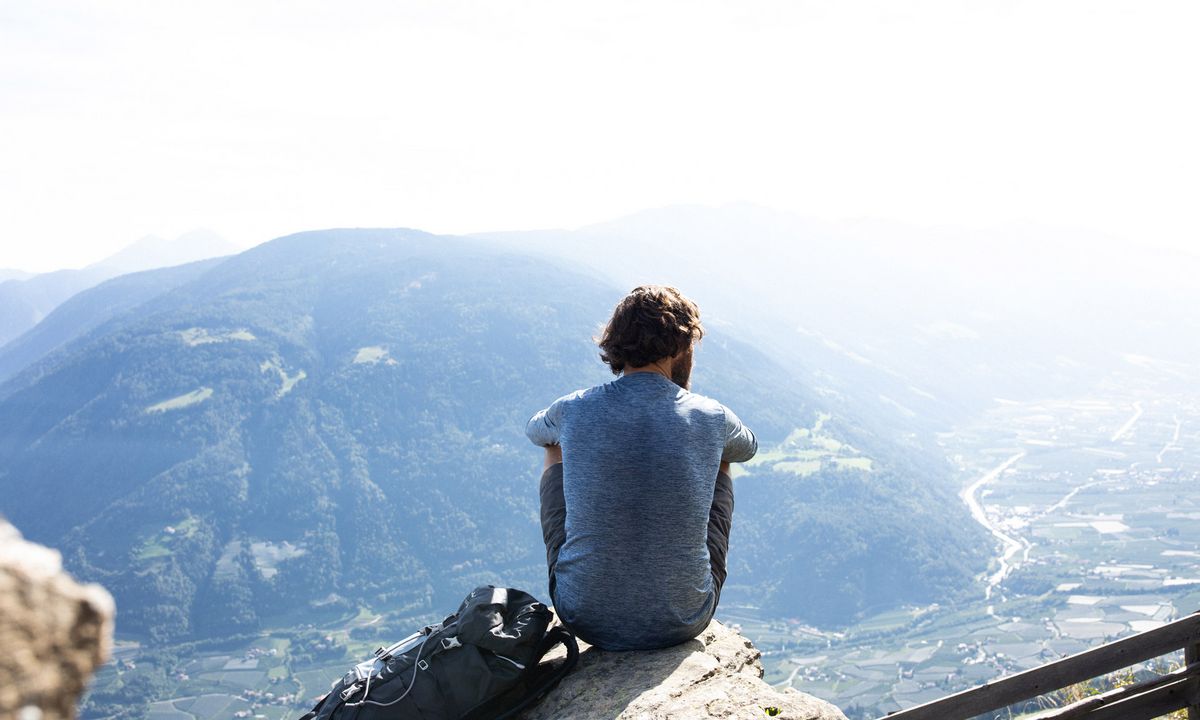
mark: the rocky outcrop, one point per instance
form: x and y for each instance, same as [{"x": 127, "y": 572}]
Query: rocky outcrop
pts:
[
  {"x": 54, "y": 632},
  {"x": 716, "y": 675}
]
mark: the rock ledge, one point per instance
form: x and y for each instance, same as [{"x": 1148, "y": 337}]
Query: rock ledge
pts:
[
  {"x": 54, "y": 632},
  {"x": 716, "y": 675}
]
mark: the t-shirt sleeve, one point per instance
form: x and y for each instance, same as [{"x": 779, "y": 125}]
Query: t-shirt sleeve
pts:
[
  {"x": 543, "y": 428},
  {"x": 740, "y": 443}
]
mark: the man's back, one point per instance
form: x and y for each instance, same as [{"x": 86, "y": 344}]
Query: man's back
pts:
[{"x": 641, "y": 457}]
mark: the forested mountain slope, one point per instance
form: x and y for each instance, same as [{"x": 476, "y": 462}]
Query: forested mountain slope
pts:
[
  {"x": 91, "y": 308},
  {"x": 26, "y": 299},
  {"x": 337, "y": 416}
]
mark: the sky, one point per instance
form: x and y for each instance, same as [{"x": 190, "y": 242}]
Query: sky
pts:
[{"x": 121, "y": 119}]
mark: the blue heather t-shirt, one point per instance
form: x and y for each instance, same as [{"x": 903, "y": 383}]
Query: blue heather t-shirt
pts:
[{"x": 640, "y": 462}]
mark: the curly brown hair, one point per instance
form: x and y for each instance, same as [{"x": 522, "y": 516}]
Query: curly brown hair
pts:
[{"x": 650, "y": 323}]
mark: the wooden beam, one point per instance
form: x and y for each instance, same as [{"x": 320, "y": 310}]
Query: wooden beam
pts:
[
  {"x": 1087, "y": 707},
  {"x": 1151, "y": 704},
  {"x": 1191, "y": 655},
  {"x": 1059, "y": 674}
]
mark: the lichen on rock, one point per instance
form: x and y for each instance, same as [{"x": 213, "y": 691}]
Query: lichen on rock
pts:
[{"x": 716, "y": 675}]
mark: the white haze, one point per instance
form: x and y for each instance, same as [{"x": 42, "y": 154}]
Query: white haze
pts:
[
  {"x": 932, "y": 323},
  {"x": 122, "y": 119}
]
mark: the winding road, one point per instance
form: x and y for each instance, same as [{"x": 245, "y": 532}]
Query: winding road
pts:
[
  {"x": 1137, "y": 413},
  {"x": 1011, "y": 544},
  {"x": 1173, "y": 441}
]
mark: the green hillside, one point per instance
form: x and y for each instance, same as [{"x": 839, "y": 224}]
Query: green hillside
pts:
[
  {"x": 336, "y": 417},
  {"x": 91, "y": 308}
]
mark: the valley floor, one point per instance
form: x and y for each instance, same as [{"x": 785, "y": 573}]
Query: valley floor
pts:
[
  {"x": 1093, "y": 505},
  {"x": 1092, "y": 502}
]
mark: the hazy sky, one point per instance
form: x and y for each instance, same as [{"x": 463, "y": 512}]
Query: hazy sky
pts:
[{"x": 121, "y": 119}]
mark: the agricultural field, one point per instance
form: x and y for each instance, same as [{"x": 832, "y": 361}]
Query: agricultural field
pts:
[
  {"x": 1093, "y": 505},
  {"x": 1091, "y": 502},
  {"x": 276, "y": 675}
]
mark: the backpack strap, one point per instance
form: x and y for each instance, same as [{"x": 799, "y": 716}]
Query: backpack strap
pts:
[
  {"x": 556, "y": 635},
  {"x": 533, "y": 683},
  {"x": 316, "y": 709}
]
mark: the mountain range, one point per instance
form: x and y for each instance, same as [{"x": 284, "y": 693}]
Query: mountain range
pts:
[
  {"x": 27, "y": 298},
  {"x": 11, "y": 274},
  {"x": 336, "y": 417},
  {"x": 915, "y": 329}
]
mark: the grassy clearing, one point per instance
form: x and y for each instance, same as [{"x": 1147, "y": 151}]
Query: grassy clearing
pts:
[
  {"x": 800, "y": 468},
  {"x": 166, "y": 711},
  {"x": 806, "y": 451},
  {"x": 372, "y": 355},
  {"x": 193, "y": 337},
  {"x": 178, "y": 402},
  {"x": 859, "y": 463},
  {"x": 151, "y": 550},
  {"x": 156, "y": 541},
  {"x": 286, "y": 381}
]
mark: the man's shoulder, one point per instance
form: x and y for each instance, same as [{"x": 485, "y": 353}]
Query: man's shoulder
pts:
[
  {"x": 704, "y": 403},
  {"x": 579, "y": 394},
  {"x": 575, "y": 398}
]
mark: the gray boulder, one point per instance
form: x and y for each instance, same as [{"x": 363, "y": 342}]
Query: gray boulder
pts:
[
  {"x": 54, "y": 632},
  {"x": 716, "y": 675}
]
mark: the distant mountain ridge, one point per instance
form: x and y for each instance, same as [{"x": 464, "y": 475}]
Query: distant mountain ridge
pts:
[
  {"x": 336, "y": 416},
  {"x": 91, "y": 308},
  {"x": 25, "y": 299},
  {"x": 929, "y": 324},
  {"x": 156, "y": 252},
  {"x": 12, "y": 274}
]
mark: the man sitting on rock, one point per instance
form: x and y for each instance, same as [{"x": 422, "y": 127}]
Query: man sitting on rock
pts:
[{"x": 636, "y": 496}]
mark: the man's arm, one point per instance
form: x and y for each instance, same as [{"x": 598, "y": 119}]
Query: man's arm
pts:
[
  {"x": 543, "y": 428},
  {"x": 553, "y": 456},
  {"x": 740, "y": 443}
]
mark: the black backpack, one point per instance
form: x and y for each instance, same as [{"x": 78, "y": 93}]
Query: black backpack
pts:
[{"x": 480, "y": 663}]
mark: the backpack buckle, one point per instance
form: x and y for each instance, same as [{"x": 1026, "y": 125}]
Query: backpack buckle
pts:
[
  {"x": 450, "y": 642},
  {"x": 423, "y": 665},
  {"x": 350, "y": 691}
]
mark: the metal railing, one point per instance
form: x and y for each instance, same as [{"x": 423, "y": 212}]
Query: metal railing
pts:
[{"x": 1176, "y": 690}]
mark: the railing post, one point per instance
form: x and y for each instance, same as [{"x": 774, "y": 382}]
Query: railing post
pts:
[
  {"x": 1191, "y": 653},
  {"x": 1179, "y": 693}
]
